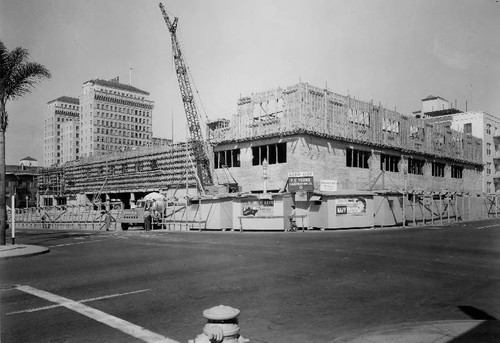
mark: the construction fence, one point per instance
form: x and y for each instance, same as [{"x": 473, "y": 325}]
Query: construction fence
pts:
[
  {"x": 91, "y": 217},
  {"x": 391, "y": 209},
  {"x": 420, "y": 208}
]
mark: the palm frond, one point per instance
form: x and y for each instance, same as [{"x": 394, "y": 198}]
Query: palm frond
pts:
[
  {"x": 24, "y": 78},
  {"x": 18, "y": 76}
]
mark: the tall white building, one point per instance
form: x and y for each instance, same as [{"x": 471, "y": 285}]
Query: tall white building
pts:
[
  {"x": 478, "y": 124},
  {"x": 59, "y": 111},
  {"x": 113, "y": 116},
  {"x": 487, "y": 127},
  {"x": 70, "y": 140}
]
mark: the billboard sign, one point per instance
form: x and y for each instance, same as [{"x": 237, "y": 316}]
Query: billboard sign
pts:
[
  {"x": 260, "y": 207},
  {"x": 304, "y": 183},
  {"x": 351, "y": 206}
]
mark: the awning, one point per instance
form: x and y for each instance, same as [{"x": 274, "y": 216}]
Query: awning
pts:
[{"x": 315, "y": 198}]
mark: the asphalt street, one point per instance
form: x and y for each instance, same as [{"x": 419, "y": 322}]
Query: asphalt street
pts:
[{"x": 290, "y": 287}]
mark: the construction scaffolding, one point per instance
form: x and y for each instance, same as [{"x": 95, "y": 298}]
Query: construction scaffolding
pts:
[
  {"x": 142, "y": 169},
  {"x": 302, "y": 108}
]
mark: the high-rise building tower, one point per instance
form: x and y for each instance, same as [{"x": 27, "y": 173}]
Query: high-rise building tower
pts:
[
  {"x": 59, "y": 111},
  {"x": 113, "y": 117},
  {"x": 70, "y": 140}
]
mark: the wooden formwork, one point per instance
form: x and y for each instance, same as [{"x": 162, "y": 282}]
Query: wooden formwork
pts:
[
  {"x": 303, "y": 107},
  {"x": 435, "y": 208}
]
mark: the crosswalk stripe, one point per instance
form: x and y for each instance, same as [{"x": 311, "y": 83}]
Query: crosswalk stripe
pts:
[{"x": 102, "y": 317}]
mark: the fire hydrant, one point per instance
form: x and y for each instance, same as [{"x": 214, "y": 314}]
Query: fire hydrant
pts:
[{"x": 221, "y": 326}]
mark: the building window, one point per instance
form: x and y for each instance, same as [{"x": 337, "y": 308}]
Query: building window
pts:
[
  {"x": 438, "y": 169},
  {"x": 389, "y": 163},
  {"x": 273, "y": 153},
  {"x": 488, "y": 149},
  {"x": 457, "y": 172},
  {"x": 154, "y": 164},
  {"x": 227, "y": 158},
  {"x": 416, "y": 166},
  {"x": 488, "y": 129},
  {"x": 468, "y": 128},
  {"x": 488, "y": 168},
  {"x": 357, "y": 158}
]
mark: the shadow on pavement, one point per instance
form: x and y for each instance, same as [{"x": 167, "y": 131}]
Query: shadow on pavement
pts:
[{"x": 486, "y": 332}]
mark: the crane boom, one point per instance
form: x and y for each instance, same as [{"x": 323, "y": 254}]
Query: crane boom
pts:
[{"x": 195, "y": 134}]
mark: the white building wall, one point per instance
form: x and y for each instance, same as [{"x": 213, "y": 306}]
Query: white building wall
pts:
[
  {"x": 437, "y": 104},
  {"x": 70, "y": 141},
  {"x": 486, "y": 127},
  {"x": 58, "y": 112}
]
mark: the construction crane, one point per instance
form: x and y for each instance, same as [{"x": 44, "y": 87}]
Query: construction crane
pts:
[{"x": 200, "y": 153}]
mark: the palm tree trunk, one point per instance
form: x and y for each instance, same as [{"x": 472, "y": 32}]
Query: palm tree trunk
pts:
[{"x": 3, "y": 212}]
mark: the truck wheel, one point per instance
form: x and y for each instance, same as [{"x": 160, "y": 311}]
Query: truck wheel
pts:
[{"x": 124, "y": 226}]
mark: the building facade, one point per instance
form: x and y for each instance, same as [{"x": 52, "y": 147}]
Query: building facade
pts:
[
  {"x": 113, "y": 117},
  {"x": 70, "y": 140},
  {"x": 487, "y": 127},
  {"x": 21, "y": 182},
  {"x": 59, "y": 111}
]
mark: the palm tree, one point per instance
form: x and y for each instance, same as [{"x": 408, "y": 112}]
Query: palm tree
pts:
[{"x": 18, "y": 77}]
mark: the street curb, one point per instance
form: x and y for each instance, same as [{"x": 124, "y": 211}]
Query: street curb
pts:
[{"x": 34, "y": 250}]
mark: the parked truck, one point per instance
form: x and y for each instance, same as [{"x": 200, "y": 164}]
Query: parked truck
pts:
[{"x": 135, "y": 216}]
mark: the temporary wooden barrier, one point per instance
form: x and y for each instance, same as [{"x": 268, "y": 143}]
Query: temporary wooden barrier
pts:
[{"x": 435, "y": 208}]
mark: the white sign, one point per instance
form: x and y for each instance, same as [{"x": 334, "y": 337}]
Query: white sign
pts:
[
  {"x": 300, "y": 174},
  {"x": 328, "y": 185},
  {"x": 301, "y": 196}
]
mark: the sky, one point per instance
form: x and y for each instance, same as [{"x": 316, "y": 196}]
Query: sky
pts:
[{"x": 394, "y": 52}]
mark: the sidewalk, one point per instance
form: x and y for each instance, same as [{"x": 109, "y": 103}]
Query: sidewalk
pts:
[
  {"x": 20, "y": 250},
  {"x": 470, "y": 331}
]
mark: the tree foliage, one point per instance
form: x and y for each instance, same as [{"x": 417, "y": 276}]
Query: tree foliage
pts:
[{"x": 18, "y": 77}]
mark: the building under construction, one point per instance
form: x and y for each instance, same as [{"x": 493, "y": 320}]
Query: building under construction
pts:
[
  {"x": 356, "y": 144},
  {"x": 300, "y": 129},
  {"x": 126, "y": 175}
]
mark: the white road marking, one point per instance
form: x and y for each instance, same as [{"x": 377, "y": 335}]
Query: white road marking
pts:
[
  {"x": 102, "y": 317},
  {"x": 80, "y": 301},
  {"x": 74, "y": 243},
  {"x": 486, "y": 227}
]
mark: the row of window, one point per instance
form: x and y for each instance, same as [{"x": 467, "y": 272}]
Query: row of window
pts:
[
  {"x": 71, "y": 107},
  {"x": 120, "y": 93},
  {"x": 134, "y": 128},
  {"x": 271, "y": 153},
  {"x": 360, "y": 159},
  {"x": 276, "y": 153},
  {"x": 119, "y": 140},
  {"x": 122, "y": 110},
  {"x": 115, "y": 116}
]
